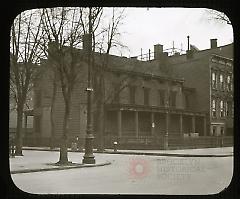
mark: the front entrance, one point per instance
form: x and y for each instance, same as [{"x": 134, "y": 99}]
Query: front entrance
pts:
[{"x": 217, "y": 129}]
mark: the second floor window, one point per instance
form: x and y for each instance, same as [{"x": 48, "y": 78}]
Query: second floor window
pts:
[
  {"x": 146, "y": 96},
  {"x": 161, "y": 97},
  {"x": 132, "y": 90},
  {"x": 214, "y": 82},
  {"x": 214, "y": 108},
  {"x": 173, "y": 98},
  {"x": 116, "y": 93}
]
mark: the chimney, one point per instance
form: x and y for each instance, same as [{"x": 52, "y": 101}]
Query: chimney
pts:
[
  {"x": 158, "y": 51},
  {"x": 213, "y": 43},
  {"x": 87, "y": 42},
  {"x": 189, "y": 52}
]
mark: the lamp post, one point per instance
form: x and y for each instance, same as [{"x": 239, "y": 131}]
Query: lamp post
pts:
[{"x": 88, "y": 157}]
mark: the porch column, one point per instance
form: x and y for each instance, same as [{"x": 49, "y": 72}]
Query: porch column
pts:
[
  {"x": 152, "y": 123},
  {"x": 136, "y": 124},
  {"x": 167, "y": 122},
  {"x": 181, "y": 124},
  {"x": 119, "y": 123},
  {"x": 204, "y": 126},
  {"x": 193, "y": 124},
  {"x": 165, "y": 143}
]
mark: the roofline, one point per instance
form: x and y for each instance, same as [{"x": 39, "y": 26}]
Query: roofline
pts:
[
  {"x": 216, "y": 55},
  {"x": 208, "y": 49},
  {"x": 152, "y": 76}
]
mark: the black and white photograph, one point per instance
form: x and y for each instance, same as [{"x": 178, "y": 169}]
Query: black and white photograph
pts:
[{"x": 121, "y": 100}]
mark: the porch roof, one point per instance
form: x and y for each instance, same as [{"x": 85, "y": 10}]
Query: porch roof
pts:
[{"x": 171, "y": 110}]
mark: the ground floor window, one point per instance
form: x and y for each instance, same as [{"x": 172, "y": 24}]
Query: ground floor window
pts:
[{"x": 222, "y": 130}]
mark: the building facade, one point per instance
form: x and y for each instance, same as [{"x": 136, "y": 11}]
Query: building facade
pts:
[
  {"x": 221, "y": 96},
  {"x": 177, "y": 97}
]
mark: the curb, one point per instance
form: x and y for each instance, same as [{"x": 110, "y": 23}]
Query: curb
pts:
[
  {"x": 59, "y": 168},
  {"x": 140, "y": 153},
  {"x": 171, "y": 154}
]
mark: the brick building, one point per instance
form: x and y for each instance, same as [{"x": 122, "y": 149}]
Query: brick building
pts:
[
  {"x": 210, "y": 72},
  {"x": 146, "y": 101}
]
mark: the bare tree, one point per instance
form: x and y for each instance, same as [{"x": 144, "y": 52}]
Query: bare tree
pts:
[
  {"x": 25, "y": 57},
  {"x": 64, "y": 28},
  {"x": 218, "y": 16},
  {"x": 109, "y": 38}
]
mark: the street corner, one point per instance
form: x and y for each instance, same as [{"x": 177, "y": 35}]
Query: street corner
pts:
[{"x": 139, "y": 168}]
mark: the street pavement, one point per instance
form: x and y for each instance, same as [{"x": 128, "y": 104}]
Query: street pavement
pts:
[{"x": 127, "y": 174}]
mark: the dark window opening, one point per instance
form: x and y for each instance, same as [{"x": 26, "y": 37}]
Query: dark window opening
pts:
[
  {"x": 173, "y": 98},
  {"x": 161, "y": 97},
  {"x": 116, "y": 93},
  {"x": 146, "y": 96},
  {"x": 132, "y": 90}
]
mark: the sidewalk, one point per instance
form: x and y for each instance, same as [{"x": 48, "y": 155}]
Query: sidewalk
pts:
[
  {"x": 203, "y": 152},
  {"x": 36, "y": 161}
]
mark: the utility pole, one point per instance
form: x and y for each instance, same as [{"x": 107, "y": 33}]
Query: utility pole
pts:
[{"x": 88, "y": 157}]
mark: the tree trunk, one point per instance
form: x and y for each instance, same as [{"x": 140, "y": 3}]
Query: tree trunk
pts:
[
  {"x": 19, "y": 131},
  {"x": 52, "y": 142},
  {"x": 63, "y": 159}
]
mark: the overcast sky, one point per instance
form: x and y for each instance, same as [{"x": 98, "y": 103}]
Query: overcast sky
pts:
[{"x": 144, "y": 27}]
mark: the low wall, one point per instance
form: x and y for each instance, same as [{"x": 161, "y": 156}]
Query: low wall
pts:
[
  {"x": 168, "y": 142},
  {"x": 156, "y": 143}
]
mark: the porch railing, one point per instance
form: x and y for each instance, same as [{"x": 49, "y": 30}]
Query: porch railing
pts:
[{"x": 173, "y": 142}]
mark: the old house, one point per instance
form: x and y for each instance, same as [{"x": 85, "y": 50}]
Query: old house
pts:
[{"x": 148, "y": 100}]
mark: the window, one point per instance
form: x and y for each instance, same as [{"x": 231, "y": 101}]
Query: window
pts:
[
  {"x": 146, "y": 96},
  {"x": 132, "y": 90},
  {"x": 221, "y": 108},
  {"x": 222, "y": 130},
  {"x": 214, "y": 130},
  {"x": 229, "y": 83},
  {"x": 226, "y": 109},
  {"x": 116, "y": 93},
  {"x": 161, "y": 97},
  {"x": 221, "y": 82},
  {"x": 214, "y": 108},
  {"x": 173, "y": 98},
  {"x": 214, "y": 83}
]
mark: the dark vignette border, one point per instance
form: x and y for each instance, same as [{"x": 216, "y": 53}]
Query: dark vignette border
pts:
[{"x": 13, "y": 7}]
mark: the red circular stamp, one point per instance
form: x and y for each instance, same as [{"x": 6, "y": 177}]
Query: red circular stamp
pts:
[{"x": 138, "y": 168}]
